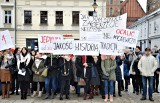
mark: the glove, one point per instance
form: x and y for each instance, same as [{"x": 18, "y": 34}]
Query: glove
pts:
[{"x": 23, "y": 70}]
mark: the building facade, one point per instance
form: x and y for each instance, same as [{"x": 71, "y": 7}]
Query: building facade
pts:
[
  {"x": 112, "y": 8},
  {"x": 7, "y": 17},
  {"x": 51, "y": 17},
  {"x": 152, "y": 5},
  {"x": 133, "y": 9},
  {"x": 149, "y": 27}
]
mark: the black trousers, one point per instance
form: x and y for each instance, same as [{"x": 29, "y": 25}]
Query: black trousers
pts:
[
  {"x": 24, "y": 86},
  {"x": 101, "y": 88},
  {"x": 35, "y": 85},
  {"x": 138, "y": 83},
  {"x": 156, "y": 82},
  {"x": 87, "y": 86},
  {"x": 65, "y": 85},
  {"x": 133, "y": 82},
  {"x": 15, "y": 81},
  {"x": 127, "y": 80}
]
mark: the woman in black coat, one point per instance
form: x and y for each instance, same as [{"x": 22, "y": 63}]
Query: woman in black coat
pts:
[
  {"x": 65, "y": 65},
  {"x": 24, "y": 72},
  {"x": 118, "y": 75}
]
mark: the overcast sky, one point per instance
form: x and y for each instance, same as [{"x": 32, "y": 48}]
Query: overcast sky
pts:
[{"x": 143, "y": 4}]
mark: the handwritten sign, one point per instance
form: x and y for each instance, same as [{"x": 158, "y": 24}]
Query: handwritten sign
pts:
[
  {"x": 86, "y": 48},
  {"x": 97, "y": 24},
  {"x": 5, "y": 40},
  {"x": 110, "y": 47},
  {"x": 125, "y": 37},
  {"x": 45, "y": 42},
  {"x": 63, "y": 47}
]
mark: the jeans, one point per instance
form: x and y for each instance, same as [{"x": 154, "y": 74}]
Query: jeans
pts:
[
  {"x": 150, "y": 88},
  {"x": 65, "y": 86},
  {"x": 52, "y": 81},
  {"x": 108, "y": 83}
]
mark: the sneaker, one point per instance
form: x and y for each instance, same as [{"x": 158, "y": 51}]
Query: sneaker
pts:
[{"x": 143, "y": 98}]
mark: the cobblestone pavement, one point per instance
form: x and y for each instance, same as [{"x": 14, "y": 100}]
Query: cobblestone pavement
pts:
[{"x": 127, "y": 97}]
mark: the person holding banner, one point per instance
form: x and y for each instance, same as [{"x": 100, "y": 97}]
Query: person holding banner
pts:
[
  {"x": 24, "y": 73},
  {"x": 66, "y": 67},
  {"x": 5, "y": 73},
  {"x": 51, "y": 63},
  {"x": 108, "y": 66}
]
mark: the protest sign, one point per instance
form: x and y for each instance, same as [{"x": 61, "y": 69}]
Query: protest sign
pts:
[
  {"x": 63, "y": 47},
  {"x": 125, "y": 37},
  {"x": 45, "y": 42},
  {"x": 86, "y": 48},
  {"x": 97, "y": 24},
  {"x": 5, "y": 40},
  {"x": 110, "y": 47}
]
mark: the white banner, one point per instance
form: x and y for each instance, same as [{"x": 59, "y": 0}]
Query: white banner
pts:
[
  {"x": 86, "y": 48},
  {"x": 97, "y": 24},
  {"x": 125, "y": 37},
  {"x": 110, "y": 47},
  {"x": 63, "y": 47},
  {"x": 5, "y": 40},
  {"x": 45, "y": 42}
]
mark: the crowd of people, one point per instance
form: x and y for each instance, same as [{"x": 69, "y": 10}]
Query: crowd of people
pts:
[{"x": 21, "y": 73}]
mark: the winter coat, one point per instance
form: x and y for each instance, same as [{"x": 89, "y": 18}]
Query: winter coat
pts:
[
  {"x": 53, "y": 69},
  {"x": 79, "y": 66},
  {"x": 25, "y": 63},
  {"x": 66, "y": 72},
  {"x": 147, "y": 65},
  {"x": 126, "y": 67},
  {"x": 40, "y": 69},
  {"x": 158, "y": 59},
  {"x": 109, "y": 66},
  {"x": 118, "y": 69},
  {"x": 135, "y": 67},
  {"x": 95, "y": 79}
]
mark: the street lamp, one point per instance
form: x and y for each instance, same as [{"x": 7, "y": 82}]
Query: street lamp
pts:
[{"x": 94, "y": 7}]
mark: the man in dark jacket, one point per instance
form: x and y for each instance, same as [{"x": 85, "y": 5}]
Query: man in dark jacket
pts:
[{"x": 52, "y": 64}]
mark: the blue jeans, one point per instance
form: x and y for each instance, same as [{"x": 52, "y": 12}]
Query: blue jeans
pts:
[
  {"x": 150, "y": 88},
  {"x": 53, "y": 82},
  {"x": 108, "y": 87}
]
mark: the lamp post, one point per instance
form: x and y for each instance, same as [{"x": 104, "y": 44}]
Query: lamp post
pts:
[{"x": 94, "y": 7}]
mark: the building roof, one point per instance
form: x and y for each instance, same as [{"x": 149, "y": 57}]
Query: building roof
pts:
[
  {"x": 125, "y": 2},
  {"x": 143, "y": 19}
]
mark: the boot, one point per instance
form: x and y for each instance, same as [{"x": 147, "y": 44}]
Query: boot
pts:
[
  {"x": 119, "y": 93},
  {"x": 91, "y": 95},
  {"x": 34, "y": 94},
  {"x": 17, "y": 92},
  {"x": 67, "y": 96},
  {"x": 8, "y": 89},
  {"x": 39, "y": 94},
  {"x": 96, "y": 88},
  {"x": 85, "y": 96},
  {"x": 106, "y": 98},
  {"x": 22, "y": 95},
  {"x": 111, "y": 98},
  {"x": 25, "y": 94},
  {"x": 3, "y": 90},
  {"x": 47, "y": 96},
  {"x": 61, "y": 97}
]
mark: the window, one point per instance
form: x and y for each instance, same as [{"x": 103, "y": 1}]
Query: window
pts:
[
  {"x": 27, "y": 17},
  {"x": 75, "y": 17},
  {"x": 111, "y": 1},
  {"x": 90, "y": 13},
  {"x": 7, "y": 0},
  {"x": 59, "y": 17},
  {"x": 110, "y": 11},
  {"x": 7, "y": 16},
  {"x": 44, "y": 17}
]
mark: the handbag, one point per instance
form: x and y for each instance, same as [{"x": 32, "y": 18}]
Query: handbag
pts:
[
  {"x": 81, "y": 82},
  {"x": 105, "y": 77},
  {"x": 45, "y": 72}
]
